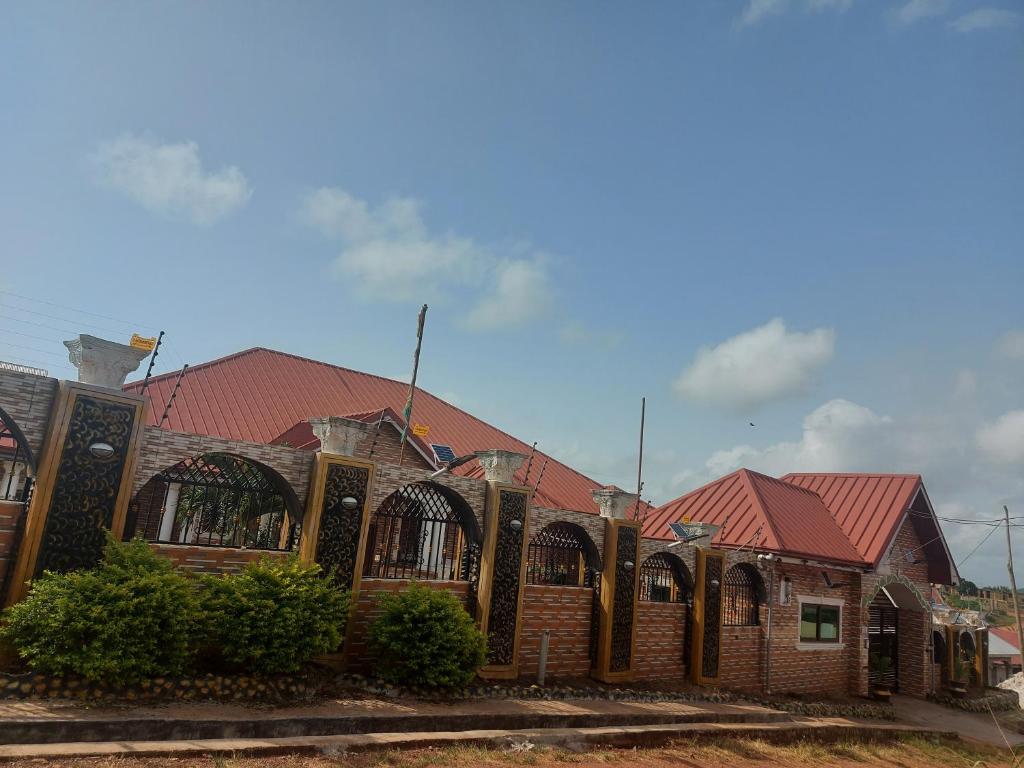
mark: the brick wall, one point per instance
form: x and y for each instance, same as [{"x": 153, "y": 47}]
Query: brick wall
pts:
[
  {"x": 913, "y": 660},
  {"x": 28, "y": 399},
  {"x": 212, "y": 559},
  {"x": 388, "y": 448},
  {"x": 742, "y": 659},
  {"x": 661, "y": 641},
  {"x": 367, "y": 609},
  {"x": 162, "y": 449},
  {"x": 566, "y": 612},
  {"x": 592, "y": 524}
]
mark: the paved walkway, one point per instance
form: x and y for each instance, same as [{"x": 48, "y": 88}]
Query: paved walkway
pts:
[{"x": 969, "y": 725}]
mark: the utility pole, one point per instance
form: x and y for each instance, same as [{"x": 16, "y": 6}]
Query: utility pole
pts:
[{"x": 1013, "y": 582}]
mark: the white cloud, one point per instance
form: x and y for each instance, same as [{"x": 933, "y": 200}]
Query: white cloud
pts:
[
  {"x": 388, "y": 252},
  {"x": 757, "y": 11},
  {"x": 756, "y": 367},
  {"x": 1002, "y": 441},
  {"x": 1011, "y": 345},
  {"x": 520, "y": 294},
  {"x": 986, "y": 18},
  {"x": 916, "y": 10},
  {"x": 170, "y": 179}
]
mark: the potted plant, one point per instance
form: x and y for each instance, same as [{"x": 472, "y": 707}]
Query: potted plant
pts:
[
  {"x": 958, "y": 681},
  {"x": 880, "y": 666}
]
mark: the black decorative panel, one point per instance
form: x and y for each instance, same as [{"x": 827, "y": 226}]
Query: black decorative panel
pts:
[
  {"x": 713, "y": 565},
  {"x": 508, "y": 556},
  {"x": 85, "y": 488},
  {"x": 625, "y": 594},
  {"x": 338, "y": 542}
]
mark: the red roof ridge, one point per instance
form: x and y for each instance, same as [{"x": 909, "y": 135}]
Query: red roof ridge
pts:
[
  {"x": 908, "y": 475},
  {"x": 749, "y": 477}
]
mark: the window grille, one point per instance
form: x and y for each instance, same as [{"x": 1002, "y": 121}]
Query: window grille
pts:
[
  {"x": 15, "y": 462},
  {"x": 663, "y": 580},
  {"x": 557, "y": 555},
  {"x": 417, "y": 533},
  {"x": 740, "y": 597},
  {"x": 216, "y": 499}
]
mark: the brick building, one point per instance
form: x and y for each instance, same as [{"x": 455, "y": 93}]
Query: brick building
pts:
[{"x": 266, "y": 453}]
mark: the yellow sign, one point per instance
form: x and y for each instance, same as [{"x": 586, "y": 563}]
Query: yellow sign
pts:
[
  {"x": 686, "y": 520},
  {"x": 420, "y": 430},
  {"x": 141, "y": 342}
]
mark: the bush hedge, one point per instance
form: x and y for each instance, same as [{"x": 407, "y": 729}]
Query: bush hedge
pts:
[
  {"x": 275, "y": 615},
  {"x": 130, "y": 618},
  {"x": 424, "y": 638}
]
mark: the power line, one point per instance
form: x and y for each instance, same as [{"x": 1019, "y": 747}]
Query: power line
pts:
[
  {"x": 63, "y": 319},
  {"x": 64, "y": 306},
  {"x": 976, "y": 548}
]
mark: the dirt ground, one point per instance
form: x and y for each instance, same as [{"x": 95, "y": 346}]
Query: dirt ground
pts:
[{"x": 728, "y": 753}]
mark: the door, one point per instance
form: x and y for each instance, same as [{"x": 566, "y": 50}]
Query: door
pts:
[{"x": 883, "y": 640}]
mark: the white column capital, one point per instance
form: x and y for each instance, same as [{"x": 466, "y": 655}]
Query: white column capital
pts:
[
  {"x": 614, "y": 502},
  {"x": 500, "y": 466},
  {"x": 339, "y": 435},
  {"x": 103, "y": 363}
]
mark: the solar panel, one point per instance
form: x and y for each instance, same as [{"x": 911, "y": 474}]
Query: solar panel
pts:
[
  {"x": 444, "y": 453},
  {"x": 679, "y": 530}
]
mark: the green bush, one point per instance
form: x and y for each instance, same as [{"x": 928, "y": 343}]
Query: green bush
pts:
[
  {"x": 128, "y": 619},
  {"x": 424, "y": 637},
  {"x": 275, "y": 615}
]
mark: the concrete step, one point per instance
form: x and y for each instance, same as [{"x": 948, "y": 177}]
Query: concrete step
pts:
[
  {"x": 816, "y": 729},
  {"x": 112, "y": 727}
]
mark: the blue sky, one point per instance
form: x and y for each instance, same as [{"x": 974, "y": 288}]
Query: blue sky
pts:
[{"x": 807, "y": 215}]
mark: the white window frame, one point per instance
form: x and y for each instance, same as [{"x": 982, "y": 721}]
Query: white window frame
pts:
[{"x": 817, "y": 645}]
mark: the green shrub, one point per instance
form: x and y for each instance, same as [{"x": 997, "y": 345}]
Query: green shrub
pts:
[
  {"x": 128, "y": 619},
  {"x": 424, "y": 637},
  {"x": 275, "y": 615}
]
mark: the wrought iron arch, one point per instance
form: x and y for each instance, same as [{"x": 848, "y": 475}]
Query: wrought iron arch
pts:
[
  {"x": 742, "y": 594},
  {"x": 217, "y": 499},
  {"x": 563, "y": 554},
  {"x": 967, "y": 647},
  {"x": 14, "y": 447},
  {"x": 664, "y": 578},
  {"x": 426, "y": 531},
  {"x": 938, "y": 647}
]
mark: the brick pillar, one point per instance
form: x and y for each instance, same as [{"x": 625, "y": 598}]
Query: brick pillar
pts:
[
  {"x": 620, "y": 580},
  {"x": 84, "y": 478},
  {"x": 706, "y": 648},
  {"x": 338, "y": 512},
  {"x": 503, "y": 562}
]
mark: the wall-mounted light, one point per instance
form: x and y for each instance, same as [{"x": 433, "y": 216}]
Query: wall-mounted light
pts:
[
  {"x": 715, "y": 583},
  {"x": 628, "y": 565},
  {"x": 101, "y": 450},
  {"x": 349, "y": 503},
  {"x": 516, "y": 525}
]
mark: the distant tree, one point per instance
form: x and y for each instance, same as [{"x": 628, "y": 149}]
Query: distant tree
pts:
[{"x": 968, "y": 588}]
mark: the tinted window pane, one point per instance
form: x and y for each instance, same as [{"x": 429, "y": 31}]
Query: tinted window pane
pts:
[
  {"x": 808, "y": 621},
  {"x": 828, "y": 618}
]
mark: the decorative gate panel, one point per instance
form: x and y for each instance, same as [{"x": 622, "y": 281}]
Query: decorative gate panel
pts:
[
  {"x": 883, "y": 640},
  {"x": 503, "y": 614},
  {"x": 340, "y": 530},
  {"x": 623, "y": 606}
]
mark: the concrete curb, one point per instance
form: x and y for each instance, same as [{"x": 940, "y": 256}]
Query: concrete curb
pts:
[
  {"x": 569, "y": 738},
  {"x": 56, "y": 731}
]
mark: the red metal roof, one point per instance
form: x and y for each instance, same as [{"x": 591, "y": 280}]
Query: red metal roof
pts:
[
  {"x": 868, "y": 508},
  {"x": 1009, "y": 636},
  {"x": 792, "y": 520},
  {"x": 259, "y": 394}
]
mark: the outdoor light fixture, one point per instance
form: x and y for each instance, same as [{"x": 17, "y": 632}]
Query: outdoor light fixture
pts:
[
  {"x": 628, "y": 565},
  {"x": 516, "y": 525},
  {"x": 714, "y": 582},
  {"x": 101, "y": 450},
  {"x": 349, "y": 503}
]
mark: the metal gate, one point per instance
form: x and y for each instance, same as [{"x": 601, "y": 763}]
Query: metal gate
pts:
[{"x": 883, "y": 640}]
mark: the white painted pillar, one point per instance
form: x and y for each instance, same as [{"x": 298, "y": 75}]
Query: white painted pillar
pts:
[{"x": 170, "y": 512}]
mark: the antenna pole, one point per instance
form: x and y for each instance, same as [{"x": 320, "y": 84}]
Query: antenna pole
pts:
[
  {"x": 1013, "y": 581},
  {"x": 407, "y": 413},
  {"x": 640, "y": 461},
  {"x": 376, "y": 432},
  {"x": 526, "y": 477},
  {"x": 174, "y": 394},
  {"x": 152, "y": 359}
]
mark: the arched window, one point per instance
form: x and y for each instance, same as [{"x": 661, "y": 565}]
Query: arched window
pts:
[
  {"x": 967, "y": 647},
  {"x": 16, "y": 464},
  {"x": 217, "y": 499},
  {"x": 562, "y": 554},
  {"x": 423, "y": 531},
  {"x": 740, "y": 596},
  {"x": 664, "y": 578}
]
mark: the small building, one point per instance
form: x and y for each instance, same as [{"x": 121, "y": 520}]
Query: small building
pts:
[{"x": 1004, "y": 658}]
